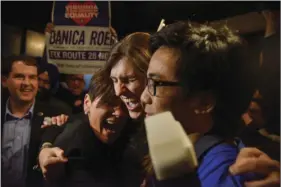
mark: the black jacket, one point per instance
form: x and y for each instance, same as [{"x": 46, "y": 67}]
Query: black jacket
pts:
[
  {"x": 34, "y": 178},
  {"x": 67, "y": 97},
  {"x": 58, "y": 104},
  {"x": 90, "y": 162},
  {"x": 133, "y": 140}
]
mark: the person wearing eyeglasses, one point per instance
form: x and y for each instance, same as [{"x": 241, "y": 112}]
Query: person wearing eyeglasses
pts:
[
  {"x": 195, "y": 72},
  {"x": 72, "y": 92}
]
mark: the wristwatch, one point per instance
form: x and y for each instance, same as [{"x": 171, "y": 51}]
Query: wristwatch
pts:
[{"x": 46, "y": 145}]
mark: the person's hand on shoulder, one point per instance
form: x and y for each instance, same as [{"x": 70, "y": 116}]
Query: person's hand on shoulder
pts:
[
  {"x": 57, "y": 120},
  {"x": 252, "y": 160}
]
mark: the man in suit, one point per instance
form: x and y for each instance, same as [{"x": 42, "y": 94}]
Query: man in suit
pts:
[{"x": 21, "y": 122}]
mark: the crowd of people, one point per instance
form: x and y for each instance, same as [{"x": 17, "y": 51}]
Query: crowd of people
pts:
[{"x": 59, "y": 134}]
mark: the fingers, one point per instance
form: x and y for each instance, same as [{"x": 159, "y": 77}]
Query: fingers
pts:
[
  {"x": 144, "y": 183},
  {"x": 241, "y": 160},
  {"x": 49, "y": 28},
  {"x": 65, "y": 118},
  {"x": 50, "y": 159},
  {"x": 78, "y": 102},
  {"x": 51, "y": 167},
  {"x": 261, "y": 165},
  {"x": 53, "y": 172},
  {"x": 57, "y": 120},
  {"x": 54, "y": 120},
  {"x": 266, "y": 14},
  {"x": 273, "y": 180},
  {"x": 246, "y": 118},
  {"x": 45, "y": 124},
  {"x": 51, "y": 155},
  {"x": 254, "y": 160},
  {"x": 249, "y": 152},
  {"x": 113, "y": 33},
  {"x": 58, "y": 153},
  {"x": 62, "y": 119},
  {"x": 112, "y": 30},
  {"x": 44, "y": 154}
]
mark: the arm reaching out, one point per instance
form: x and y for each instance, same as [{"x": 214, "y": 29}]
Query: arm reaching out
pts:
[{"x": 255, "y": 161}]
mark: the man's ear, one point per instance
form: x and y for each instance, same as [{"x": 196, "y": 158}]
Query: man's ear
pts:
[
  {"x": 87, "y": 104},
  {"x": 204, "y": 102},
  {"x": 4, "y": 81}
]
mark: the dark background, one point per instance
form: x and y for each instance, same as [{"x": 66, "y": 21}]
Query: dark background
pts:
[
  {"x": 19, "y": 17},
  {"x": 128, "y": 17}
]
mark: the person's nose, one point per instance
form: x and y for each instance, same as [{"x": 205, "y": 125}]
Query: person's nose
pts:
[
  {"x": 119, "y": 88},
  {"x": 77, "y": 82},
  {"x": 26, "y": 81},
  {"x": 146, "y": 97},
  {"x": 117, "y": 111}
]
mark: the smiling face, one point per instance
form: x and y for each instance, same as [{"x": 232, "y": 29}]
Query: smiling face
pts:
[
  {"x": 106, "y": 121},
  {"x": 211, "y": 66},
  {"x": 128, "y": 85},
  {"x": 22, "y": 82},
  {"x": 163, "y": 67}
]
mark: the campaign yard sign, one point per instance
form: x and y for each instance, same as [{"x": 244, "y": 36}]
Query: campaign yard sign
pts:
[{"x": 81, "y": 39}]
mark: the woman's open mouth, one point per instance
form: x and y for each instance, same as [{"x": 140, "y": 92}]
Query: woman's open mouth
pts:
[{"x": 131, "y": 103}]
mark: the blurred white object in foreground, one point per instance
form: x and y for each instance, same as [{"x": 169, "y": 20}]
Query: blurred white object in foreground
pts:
[{"x": 171, "y": 150}]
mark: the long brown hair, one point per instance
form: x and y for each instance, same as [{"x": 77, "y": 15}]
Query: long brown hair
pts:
[{"x": 135, "y": 47}]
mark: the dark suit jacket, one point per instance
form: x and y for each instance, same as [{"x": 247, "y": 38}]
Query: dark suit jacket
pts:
[{"x": 34, "y": 178}]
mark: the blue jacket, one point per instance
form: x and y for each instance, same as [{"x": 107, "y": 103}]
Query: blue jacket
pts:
[{"x": 212, "y": 171}]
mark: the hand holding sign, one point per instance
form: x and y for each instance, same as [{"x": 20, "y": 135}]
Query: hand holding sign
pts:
[
  {"x": 49, "y": 28},
  {"x": 113, "y": 33}
]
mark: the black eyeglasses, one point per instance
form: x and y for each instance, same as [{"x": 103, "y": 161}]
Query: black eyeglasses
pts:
[{"x": 153, "y": 84}]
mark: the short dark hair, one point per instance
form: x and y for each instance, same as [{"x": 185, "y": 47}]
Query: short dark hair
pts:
[
  {"x": 101, "y": 86},
  {"x": 8, "y": 62},
  {"x": 211, "y": 59}
]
